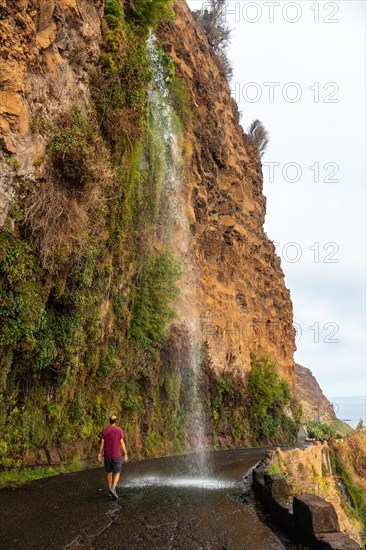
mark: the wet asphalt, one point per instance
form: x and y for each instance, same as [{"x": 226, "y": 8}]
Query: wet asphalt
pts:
[{"x": 164, "y": 504}]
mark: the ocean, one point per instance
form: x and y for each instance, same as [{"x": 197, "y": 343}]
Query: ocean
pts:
[{"x": 350, "y": 409}]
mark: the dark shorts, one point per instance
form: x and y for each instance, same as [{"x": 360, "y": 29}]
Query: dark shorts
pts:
[{"x": 113, "y": 465}]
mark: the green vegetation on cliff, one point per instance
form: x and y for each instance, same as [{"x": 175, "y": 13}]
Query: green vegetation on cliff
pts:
[
  {"x": 259, "y": 409},
  {"x": 348, "y": 459},
  {"x": 324, "y": 431},
  {"x": 270, "y": 401},
  {"x": 88, "y": 285},
  {"x": 86, "y": 293},
  {"x": 335, "y": 471}
]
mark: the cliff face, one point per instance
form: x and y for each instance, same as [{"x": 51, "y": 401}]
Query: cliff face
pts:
[
  {"x": 46, "y": 49},
  {"x": 241, "y": 299},
  {"x": 314, "y": 403},
  {"x": 241, "y": 296},
  {"x": 85, "y": 317}
]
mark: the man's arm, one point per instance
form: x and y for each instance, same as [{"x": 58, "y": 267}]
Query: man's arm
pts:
[
  {"x": 123, "y": 445},
  {"x": 101, "y": 448}
]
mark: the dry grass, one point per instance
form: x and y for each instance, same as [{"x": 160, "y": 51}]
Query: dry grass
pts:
[
  {"x": 56, "y": 220},
  {"x": 58, "y": 209}
]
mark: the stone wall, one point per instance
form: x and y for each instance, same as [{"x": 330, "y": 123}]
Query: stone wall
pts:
[
  {"x": 309, "y": 519},
  {"x": 299, "y": 472}
]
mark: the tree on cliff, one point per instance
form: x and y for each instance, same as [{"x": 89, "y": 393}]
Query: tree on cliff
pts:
[
  {"x": 259, "y": 136},
  {"x": 213, "y": 20}
]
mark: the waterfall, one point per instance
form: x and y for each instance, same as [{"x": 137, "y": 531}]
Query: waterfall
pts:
[
  {"x": 165, "y": 169},
  {"x": 165, "y": 152}
]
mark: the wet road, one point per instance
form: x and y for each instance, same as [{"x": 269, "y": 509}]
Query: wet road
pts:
[{"x": 163, "y": 504}]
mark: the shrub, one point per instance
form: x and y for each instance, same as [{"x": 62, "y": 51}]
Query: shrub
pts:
[
  {"x": 269, "y": 397},
  {"x": 259, "y": 136},
  {"x": 320, "y": 430},
  {"x": 360, "y": 426},
  {"x": 147, "y": 13},
  {"x": 224, "y": 65},
  {"x": 212, "y": 20}
]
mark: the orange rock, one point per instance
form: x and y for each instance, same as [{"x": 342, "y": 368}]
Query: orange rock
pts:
[
  {"x": 240, "y": 289},
  {"x": 46, "y": 37}
]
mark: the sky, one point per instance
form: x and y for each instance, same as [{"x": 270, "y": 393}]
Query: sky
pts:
[{"x": 299, "y": 67}]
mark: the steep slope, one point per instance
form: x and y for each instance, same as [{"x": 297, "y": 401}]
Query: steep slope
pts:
[
  {"x": 241, "y": 297},
  {"x": 123, "y": 178},
  {"x": 315, "y": 405}
]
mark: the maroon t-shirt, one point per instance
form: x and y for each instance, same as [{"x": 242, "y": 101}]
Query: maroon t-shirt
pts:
[{"x": 112, "y": 436}]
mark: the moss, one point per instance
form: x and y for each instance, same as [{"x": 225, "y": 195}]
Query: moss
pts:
[
  {"x": 152, "y": 443},
  {"x": 180, "y": 100},
  {"x": 21, "y": 303},
  {"x": 240, "y": 427},
  {"x": 39, "y": 161},
  {"x": 156, "y": 154},
  {"x": 17, "y": 477},
  {"x": 114, "y": 14},
  {"x": 171, "y": 381},
  {"x": 274, "y": 469},
  {"x": 16, "y": 165},
  {"x": 132, "y": 400}
]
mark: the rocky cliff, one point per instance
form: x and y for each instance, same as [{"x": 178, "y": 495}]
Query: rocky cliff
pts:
[
  {"x": 46, "y": 48},
  {"x": 241, "y": 298},
  {"x": 315, "y": 405},
  {"x": 89, "y": 267}
]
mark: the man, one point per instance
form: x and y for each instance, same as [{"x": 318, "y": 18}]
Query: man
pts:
[{"x": 112, "y": 442}]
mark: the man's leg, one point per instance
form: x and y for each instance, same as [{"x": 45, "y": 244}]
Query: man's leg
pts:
[
  {"x": 116, "y": 478},
  {"x": 108, "y": 477},
  {"x": 117, "y": 465}
]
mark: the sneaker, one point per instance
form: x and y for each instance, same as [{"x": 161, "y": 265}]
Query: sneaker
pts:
[{"x": 114, "y": 494}]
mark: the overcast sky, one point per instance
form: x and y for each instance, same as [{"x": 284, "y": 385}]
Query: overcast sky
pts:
[{"x": 299, "y": 68}]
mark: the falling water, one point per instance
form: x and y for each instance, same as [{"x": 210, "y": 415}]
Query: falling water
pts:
[
  {"x": 172, "y": 216},
  {"x": 166, "y": 167}
]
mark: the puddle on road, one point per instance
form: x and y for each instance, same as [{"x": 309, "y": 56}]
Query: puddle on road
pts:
[{"x": 205, "y": 483}]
